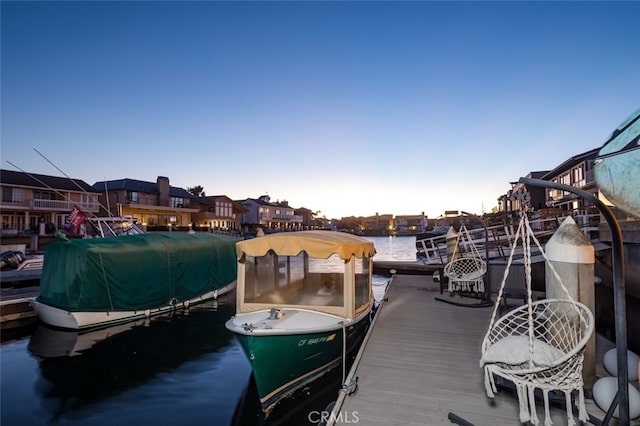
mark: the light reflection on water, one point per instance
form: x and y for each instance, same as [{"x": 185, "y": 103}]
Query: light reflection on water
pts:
[
  {"x": 181, "y": 369},
  {"x": 394, "y": 248}
]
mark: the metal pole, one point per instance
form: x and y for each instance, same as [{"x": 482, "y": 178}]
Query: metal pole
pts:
[{"x": 619, "y": 292}]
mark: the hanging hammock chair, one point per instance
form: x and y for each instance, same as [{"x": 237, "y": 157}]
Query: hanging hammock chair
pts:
[
  {"x": 539, "y": 345},
  {"x": 465, "y": 271}
]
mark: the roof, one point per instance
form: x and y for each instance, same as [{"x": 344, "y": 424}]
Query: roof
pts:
[
  {"x": 572, "y": 161},
  {"x": 318, "y": 244},
  {"x": 138, "y": 186},
  {"x": 34, "y": 180}
]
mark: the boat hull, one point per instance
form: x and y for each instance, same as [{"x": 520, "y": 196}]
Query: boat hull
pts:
[
  {"x": 82, "y": 320},
  {"x": 284, "y": 363}
]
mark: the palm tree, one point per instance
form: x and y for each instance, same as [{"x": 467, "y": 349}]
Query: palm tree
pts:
[{"x": 196, "y": 191}]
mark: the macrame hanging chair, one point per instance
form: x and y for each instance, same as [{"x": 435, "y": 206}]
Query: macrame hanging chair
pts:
[
  {"x": 539, "y": 345},
  {"x": 466, "y": 270}
]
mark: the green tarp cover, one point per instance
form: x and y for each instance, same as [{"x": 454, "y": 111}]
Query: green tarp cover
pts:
[{"x": 135, "y": 272}]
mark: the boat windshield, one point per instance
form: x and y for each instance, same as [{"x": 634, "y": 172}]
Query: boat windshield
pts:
[
  {"x": 293, "y": 280},
  {"x": 331, "y": 285}
]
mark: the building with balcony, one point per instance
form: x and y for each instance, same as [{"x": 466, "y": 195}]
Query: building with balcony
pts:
[
  {"x": 217, "y": 212},
  {"x": 155, "y": 205},
  {"x": 576, "y": 171},
  {"x": 380, "y": 224},
  {"x": 275, "y": 217},
  {"x": 41, "y": 204},
  {"x": 411, "y": 224}
]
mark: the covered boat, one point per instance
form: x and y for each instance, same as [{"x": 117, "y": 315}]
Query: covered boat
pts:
[
  {"x": 304, "y": 301},
  {"x": 98, "y": 282},
  {"x": 617, "y": 167}
]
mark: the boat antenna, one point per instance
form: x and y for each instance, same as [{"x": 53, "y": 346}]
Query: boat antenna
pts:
[
  {"x": 106, "y": 193},
  {"x": 67, "y": 176}
]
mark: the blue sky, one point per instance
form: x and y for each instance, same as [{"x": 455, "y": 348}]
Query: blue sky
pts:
[{"x": 349, "y": 108}]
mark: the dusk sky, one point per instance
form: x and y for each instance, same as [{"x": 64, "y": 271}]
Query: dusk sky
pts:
[{"x": 349, "y": 108}]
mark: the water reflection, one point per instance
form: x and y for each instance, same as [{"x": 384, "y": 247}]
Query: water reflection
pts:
[
  {"x": 180, "y": 369},
  {"x": 81, "y": 370}
]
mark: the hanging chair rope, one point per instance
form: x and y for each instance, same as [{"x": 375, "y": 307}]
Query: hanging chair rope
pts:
[
  {"x": 465, "y": 272},
  {"x": 554, "y": 333}
]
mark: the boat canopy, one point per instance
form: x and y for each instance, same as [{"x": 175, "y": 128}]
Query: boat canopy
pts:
[
  {"x": 135, "y": 272},
  {"x": 323, "y": 271},
  {"x": 317, "y": 244}
]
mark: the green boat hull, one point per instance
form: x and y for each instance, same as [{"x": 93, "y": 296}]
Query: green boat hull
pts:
[{"x": 283, "y": 364}]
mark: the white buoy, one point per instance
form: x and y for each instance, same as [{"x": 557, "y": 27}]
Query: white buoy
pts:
[
  {"x": 605, "y": 389},
  {"x": 610, "y": 362}
]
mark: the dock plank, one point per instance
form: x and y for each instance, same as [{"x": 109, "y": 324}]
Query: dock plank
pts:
[{"x": 421, "y": 362}]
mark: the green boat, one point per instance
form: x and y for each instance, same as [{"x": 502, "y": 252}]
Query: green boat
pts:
[
  {"x": 99, "y": 282},
  {"x": 304, "y": 301}
]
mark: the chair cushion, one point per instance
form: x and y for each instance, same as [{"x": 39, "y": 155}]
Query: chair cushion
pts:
[{"x": 514, "y": 350}]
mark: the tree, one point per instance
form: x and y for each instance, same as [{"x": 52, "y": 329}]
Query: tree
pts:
[{"x": 196, "y": 191}]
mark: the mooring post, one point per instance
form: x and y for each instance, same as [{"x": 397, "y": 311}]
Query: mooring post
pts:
[{"x": 573, "y": 258}]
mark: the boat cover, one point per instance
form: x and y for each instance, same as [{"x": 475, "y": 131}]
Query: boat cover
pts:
[
  {"x": 135, "y": 272},
  {"x": 318, "y": 244},
  {"x": 617, "y": 168}
]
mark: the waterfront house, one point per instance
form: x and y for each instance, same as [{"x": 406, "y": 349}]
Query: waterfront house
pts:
[
  {"x": 379, "y": 224},
  {"x": 308, "y": 219},
  {"x": 217, "y": 213},
  {"x": 410, "y": 224},
  {"x": 262, "y": 213},
  {"x": 156, "y": 205},
  {"x": 37, "y": 205}
]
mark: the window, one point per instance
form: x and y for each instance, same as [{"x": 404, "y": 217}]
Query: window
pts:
[
  {"x": 12, "y": 195},
  {"x": 223, "y": 209},
  {"x": 133, "y": 197},
  {"x": 88, "y": 200},
  {"x": 177, "y": 202},
  {"x": 41, "y": 195},
  {"x": 578, "y": 176}
]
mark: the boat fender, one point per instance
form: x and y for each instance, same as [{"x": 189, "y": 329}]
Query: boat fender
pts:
[{"x": 147, "y": 313}]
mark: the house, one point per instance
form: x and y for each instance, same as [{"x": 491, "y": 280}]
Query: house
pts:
[
  {"x": 576, "y": 171},
  {"x": 538, "y": 195},
  {"x": 262, "y": 213},
  {"x": 217, "y": 212},
  {"x": 37, "y": 205},
  {"x": 155, "y": 205},
  {"x": 308, "y": 219},
  {"x": 379, "y": 224},
  {"x": 411, "y": 224}
]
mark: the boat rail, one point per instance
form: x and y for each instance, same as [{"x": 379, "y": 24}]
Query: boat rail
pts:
[{"x": 433, "y": 250}]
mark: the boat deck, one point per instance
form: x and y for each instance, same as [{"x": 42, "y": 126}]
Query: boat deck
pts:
[{"x": 421, "y": 362}]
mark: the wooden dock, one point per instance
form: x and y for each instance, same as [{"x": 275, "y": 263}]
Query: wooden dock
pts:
[
  {"x": 15, "y": 307},
  {"x": 420, "y": 363}
]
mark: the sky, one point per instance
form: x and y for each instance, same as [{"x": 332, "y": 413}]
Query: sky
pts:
[{"x": 345, "y": 108}]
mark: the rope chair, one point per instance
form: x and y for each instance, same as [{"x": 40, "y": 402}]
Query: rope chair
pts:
[
  {"x": 465, "y": 272},
  {"x": 539, "y": 345}
]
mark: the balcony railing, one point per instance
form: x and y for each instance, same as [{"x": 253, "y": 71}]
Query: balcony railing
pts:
[{"x": 60, "y": 205}]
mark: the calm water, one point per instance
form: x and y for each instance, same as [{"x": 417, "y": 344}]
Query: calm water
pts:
[{"x": 185, "y": 369}]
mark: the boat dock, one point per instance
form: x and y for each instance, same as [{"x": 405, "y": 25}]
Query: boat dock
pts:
[
  {"x": 418, "y": 267},
  {"x": 419, "y": 365},
  {"x": 15, "y": 308}
]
